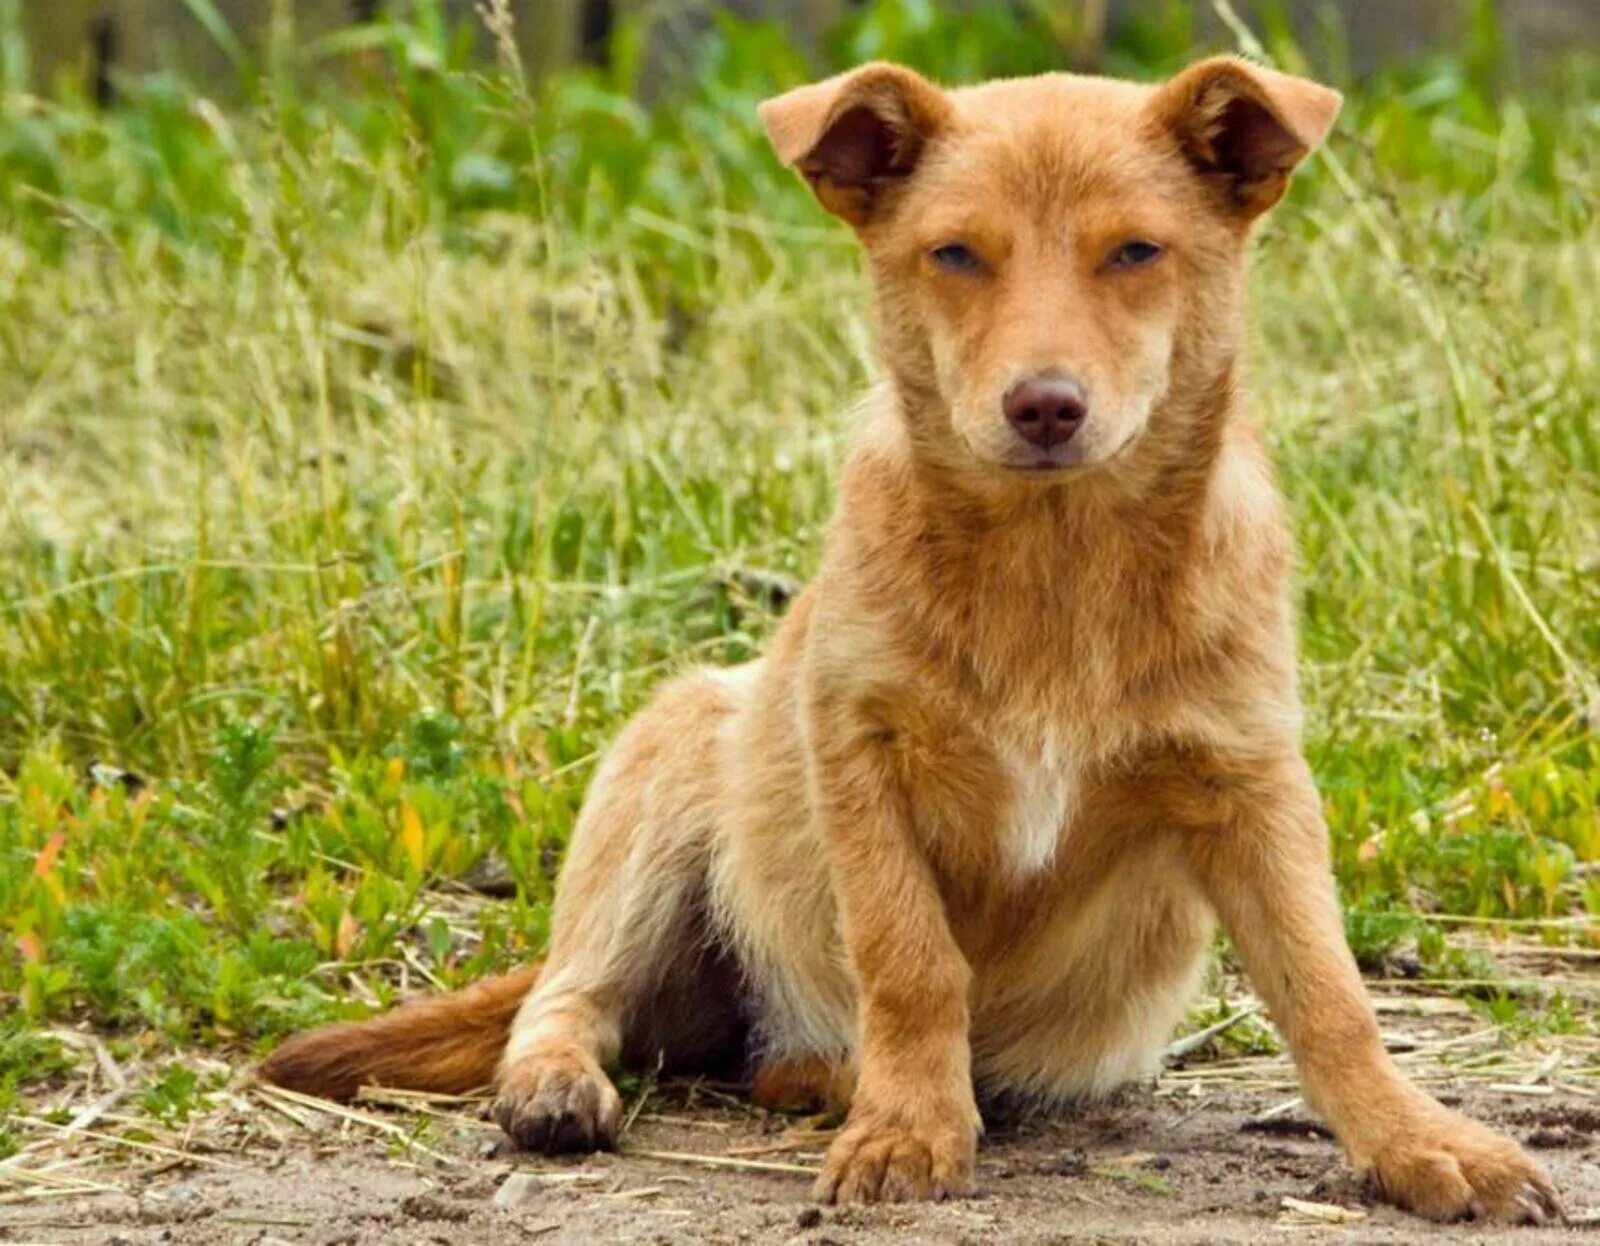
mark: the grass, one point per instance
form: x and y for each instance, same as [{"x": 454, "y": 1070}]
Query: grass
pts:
[{"x": 367, "y": 456}]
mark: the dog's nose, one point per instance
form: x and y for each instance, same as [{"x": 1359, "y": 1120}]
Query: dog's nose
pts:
[{"x": 1046, "y": 410}]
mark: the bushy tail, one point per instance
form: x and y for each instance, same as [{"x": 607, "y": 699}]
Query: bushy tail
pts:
[{"x": 449, "y": 1044}]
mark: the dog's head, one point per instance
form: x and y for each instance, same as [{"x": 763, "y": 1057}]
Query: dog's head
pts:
[{"x": 1049, "y": 254}]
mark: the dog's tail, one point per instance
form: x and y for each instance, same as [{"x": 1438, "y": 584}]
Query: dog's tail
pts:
[{"x": 449, "y": 1044}]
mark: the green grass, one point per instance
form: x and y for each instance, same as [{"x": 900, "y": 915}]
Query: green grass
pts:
[{"x": 367, "y": 457}]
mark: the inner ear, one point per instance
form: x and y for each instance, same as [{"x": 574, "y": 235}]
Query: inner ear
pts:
[
  {"x": 860, "y": 146},
  {"x": 1253, "y": 145},
  {"x": 854, "y": 137},
  {"x": 1244, "y": 127}
]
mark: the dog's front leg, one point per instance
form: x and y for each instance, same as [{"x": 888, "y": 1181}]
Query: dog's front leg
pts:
[
  {"x": 913, "y": 1122},
  {"x": 1266, "y": 870}
]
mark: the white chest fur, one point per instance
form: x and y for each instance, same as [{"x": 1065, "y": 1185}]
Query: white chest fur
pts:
[{"x": 1044, "y": 791}]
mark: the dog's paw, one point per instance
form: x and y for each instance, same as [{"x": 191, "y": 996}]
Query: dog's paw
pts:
[
  {"x": 1450, "y": 1168},
  {"x": 877, "y": 1159},
  {"x": 558, "y": 1102}
]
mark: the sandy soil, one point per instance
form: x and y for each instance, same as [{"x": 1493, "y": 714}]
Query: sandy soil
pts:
[
  {"x": 1153, "y": 1166},
  {"x": 1215, "y": 1152}
]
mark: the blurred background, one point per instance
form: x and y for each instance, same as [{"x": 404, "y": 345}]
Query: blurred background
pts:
[
  {"x": 91, "y": 42},
  {"x": 394, "y": 392},
  {"x": 601, "y": 88}
]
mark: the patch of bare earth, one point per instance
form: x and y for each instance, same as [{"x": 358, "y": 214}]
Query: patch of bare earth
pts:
[{"x": 1219, "y": 1150}]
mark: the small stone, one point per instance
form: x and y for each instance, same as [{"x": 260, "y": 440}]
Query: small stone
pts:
[
  {"x": 809, "y": 1217},
  {"x": 1067, "y": 1164},
  {"x": 520, "y": 1189},
  {"x": 491, "y": 876},
  {"x": 428, "y": 1207}
]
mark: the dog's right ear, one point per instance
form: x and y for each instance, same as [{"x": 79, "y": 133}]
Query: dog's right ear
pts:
[{"x": 854, "y": 136}]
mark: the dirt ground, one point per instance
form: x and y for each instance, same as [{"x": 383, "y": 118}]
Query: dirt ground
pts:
[{"x": 1209, "y": 1154}]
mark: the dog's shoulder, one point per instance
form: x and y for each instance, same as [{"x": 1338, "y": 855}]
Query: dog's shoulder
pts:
[{"x": 1245, "y": 500}]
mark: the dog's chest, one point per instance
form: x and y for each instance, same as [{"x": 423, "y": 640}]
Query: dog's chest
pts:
[{"x": 1044, "y": 793}]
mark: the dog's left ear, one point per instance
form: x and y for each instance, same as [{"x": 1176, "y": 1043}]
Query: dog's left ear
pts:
[
  {"x": 855, "y": 136},
  {"x": 1245, "y": 127}
]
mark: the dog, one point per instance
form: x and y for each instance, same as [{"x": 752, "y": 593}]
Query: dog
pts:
[{"x": 1033, "y": 728}]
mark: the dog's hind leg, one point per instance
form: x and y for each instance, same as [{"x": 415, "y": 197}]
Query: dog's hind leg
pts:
[
  {"x": 803, "y": 1084},
  {"x": 633, "y": 970}
]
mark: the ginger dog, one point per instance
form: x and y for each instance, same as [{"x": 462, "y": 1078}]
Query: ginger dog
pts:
[{"x": 1034, "y": 726}]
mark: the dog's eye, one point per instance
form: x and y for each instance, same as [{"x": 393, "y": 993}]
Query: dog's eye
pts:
[
  {"x": 1136, "y": 254},
  {"x": 956, "y": 258}
]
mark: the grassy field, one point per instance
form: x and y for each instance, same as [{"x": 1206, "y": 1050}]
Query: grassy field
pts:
[{"x": 366, "y": 455}]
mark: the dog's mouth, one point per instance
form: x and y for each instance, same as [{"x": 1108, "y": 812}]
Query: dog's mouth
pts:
[
  {"x": 1064, "y": 460},
  {"x": 1045, "y": 465},
  {"x": 1011, "y": 456}
]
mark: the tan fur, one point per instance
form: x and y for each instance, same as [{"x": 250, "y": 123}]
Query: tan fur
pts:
[
  {"x": 967, "y": 825},
  {"x": 810, "y": 1084},
  {"x": 448, "y": 1045}
]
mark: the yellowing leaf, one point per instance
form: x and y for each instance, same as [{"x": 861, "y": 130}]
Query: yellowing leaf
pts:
[
  {"x": 345, "y": 938},
  {"x": 41, "y": 809},
  {"x": 46, "y": 860},
  {"x": 411, "y": 837},
  {"x": 32, "y": 950},
  {"x": 138, "y": 813}
]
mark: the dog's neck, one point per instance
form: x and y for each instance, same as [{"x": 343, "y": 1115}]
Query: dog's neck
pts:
[{"x": 989, "y": 582}]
